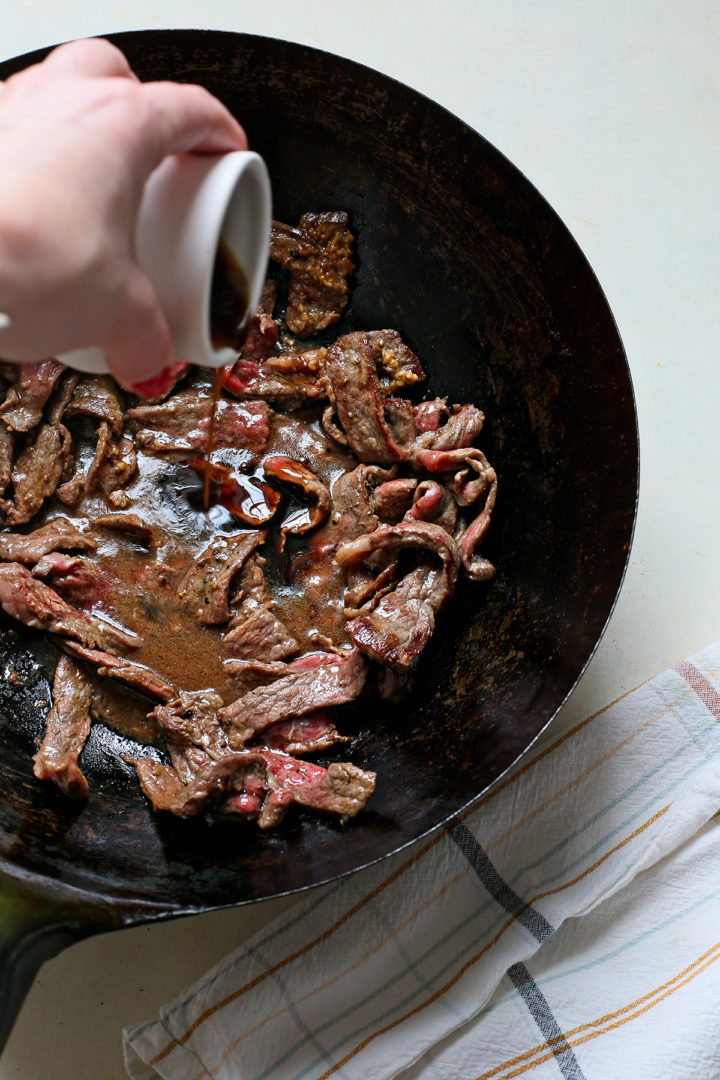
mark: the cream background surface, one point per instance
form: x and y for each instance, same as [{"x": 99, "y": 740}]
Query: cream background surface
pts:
[{"x": 613, "y": 111}]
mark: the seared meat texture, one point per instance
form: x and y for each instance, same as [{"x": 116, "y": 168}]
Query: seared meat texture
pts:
[
  {"x": 182, "y": 423},
  {"x": 23, "y": 406},
  {"x": 317, "y": 252},
  {"x": 57, "y": 535},
  {"x": 38, "y": 470},
  {"x": 66, "y": 729}
]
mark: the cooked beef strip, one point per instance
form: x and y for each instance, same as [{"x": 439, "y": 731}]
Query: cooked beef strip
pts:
[
  {"x": 23, "y": 407},
  {"x": 358, "y": 402},
  {"x": 31, "y": 602},
  {"x": 98, "y": 396},
  {"x": 255, "y": 631},
  {"x": 123, "y": 710},
  {"x": 181, "y": 424},
  {"x": 61, "y": 396},
  {"x": 467, "y": 473},
  {"x": 56, "y": 535},
  {"x": 314, "y": 492},
  {"x": 398, "y": 366},
  {"x": 395, "y": 629},
  {"x": 430, "y": 414},
  {"x": 38, "y": 471},
  {"x": 205, "y": 587},
  {"x": 433, "y": 502},
  {"x": 303, "y": 734},
  {"x": 192, "y": 731},
  {"x": 459, "y": 431},
  {"x": 66, "y": 730},
  {"x": 476, "y": 567},
  {"x": 114, "y": 465},
  {"x": 265, "y": 783},
  {"x": 393, "y": 498},
  {"x": 7, "y": 456},
  {"x": 134, "y": 675},
  {"x": 289, "y": 378},
  {"x": 329, "y": 684},
  {"x": 317, "y": 254},
  {"x": 130, "y": 525},
  {"x": 179, "y": 371},
  {"x": 77, "y": 580}
]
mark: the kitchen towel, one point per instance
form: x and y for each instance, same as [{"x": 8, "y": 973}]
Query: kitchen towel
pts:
[{"x": 568, "y": 924}]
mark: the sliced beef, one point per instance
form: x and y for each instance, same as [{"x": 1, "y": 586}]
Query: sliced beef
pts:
[
  {"x": 460, "y": 430},
  {"x": 254, "y": 631},
  {"x": 7, "y": 456},
  {"x": 205, "y": 587},
  {"x": 114, "y": 464},
  {"x": 397, "y": 365},
  {"x": 30, "y": 601},
  {"x": 38, "y": 470},
  {"x": 57, "y": 535},
  {"x": 313, "y": 492},
  {"x": 395, "y": 628},
  {"x": 289, "y": 378},
  {"x": 179, "y": 371},
  {"x": 475, "y": 565},
  {"x": 129, "y": 525},
  {"x": 433, "y": 502},
  {"x": 358, "y": 402},
  {"x": 303, "y": 734},
  {"x": 23, "y": 407},
  {"x": 66, "y": 730},
  {"x": 61, "y": 396},
  {"x": 192, "y": 731},
  {"x": 394, "y": 498},
  {"x": 98, "y": 396},
  {"x": 467, "y": 473},
  {"x": 123, "y": 710},
  {"x": 259, "y": 784},
  {"x": 75, "y": 579},
  {"x": 334, "y": 683},
  {"x": 136, "y": 676},
  {"x": 430, "y": 414},
  {"x": 182, "y": 423},
  {"x": 318, "y": 255}
]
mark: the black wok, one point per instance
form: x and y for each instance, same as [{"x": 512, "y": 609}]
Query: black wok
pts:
[{"x": 459, "y": 252}]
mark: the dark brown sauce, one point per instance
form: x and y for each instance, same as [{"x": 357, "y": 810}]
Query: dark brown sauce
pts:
[{"x": 229, "y": 301}]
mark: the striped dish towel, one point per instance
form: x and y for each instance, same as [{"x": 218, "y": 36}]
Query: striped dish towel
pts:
[{"x": 567, "y": 925}]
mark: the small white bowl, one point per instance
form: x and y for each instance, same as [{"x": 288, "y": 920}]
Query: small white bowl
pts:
[{"x": 191, "y": 202}]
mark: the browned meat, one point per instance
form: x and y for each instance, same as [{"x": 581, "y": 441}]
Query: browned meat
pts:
[
  {"x": 129, "y": 525},
  {"x": 190, "y": 726},
  {"x": 38, "y": 471},
  {"x": 314, "y": 493},
  {"x": 396, "y": 628},
  {"x": 476, "y": 567},
  {"x": 181, "y": 424},
  {"x": 398, "y": 366},
  {"x": 334, "y": 683},
  {"x": 430, "y": 414},
  {"x": 359, "y": 404},
  {"x": 23, "y": 407},
  {"x": 460, "y": 430},
  {"x": 264, "y": 782},
  {"x": 205, "y": 587},
  {"x": 318, "y": 255},
  {"x": 29, "y": 601},
  {"x": 303, "y": 734},
  {"x": 76, "y": 580},
  {"x": 468, "y": 474},
  {"x": 98, "y": 396},
  {"x": 114, "y": 464},
  {"x": 7, "y": 456},
  {"x": 66, "y": 729},
  {"x": 136, "y": 676},
  {"x": 255, "y": 632},
  {"x": 57, "y": 535},
  {"x": 123, "y": 710},
  {"x": 433, "y": 502},
  {"x": 180, "y": 370},
  {"x": 393, "y": 498},
  {"x": 290, "y": 378}
]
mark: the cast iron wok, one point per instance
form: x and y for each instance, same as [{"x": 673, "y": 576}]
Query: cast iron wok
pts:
[{"x": 459, "y": 252}]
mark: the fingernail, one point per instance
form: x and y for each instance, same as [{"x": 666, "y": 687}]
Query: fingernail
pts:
[{"x": 156, "y": 386}]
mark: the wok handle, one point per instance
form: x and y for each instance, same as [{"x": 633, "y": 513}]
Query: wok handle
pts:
[{"x": 33, "y": 928}]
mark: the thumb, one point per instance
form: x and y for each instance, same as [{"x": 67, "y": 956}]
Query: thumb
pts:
[{"x": 139, "y": 348}]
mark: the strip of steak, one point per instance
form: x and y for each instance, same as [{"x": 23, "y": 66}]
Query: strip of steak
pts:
[
  {"x": 66, "y": 729},
  {"x": 359, "y": 404},
  {"x": 75, "y": 579},
  {"x": 459, "y": 431},
  {"x": 28, "y": 600},
  {"x": 136, "y": 676},
  {"x": 205, "y": 587},
  {"x": 291, "y": 378},
  {"x": 318, "y": 255},
  {"x": 98, "y": 396},
  {"x": 182, "y": 423},
  {"x": 7, "y": 456},
  {"x": 395, "y": 628},
  {"x": 23, "y": 408},
  {"x": 475, "y": 565},
  {"x": 57, "y": 535},
  {"x": 264, "y": 783},
  {"x": 334, "y": 683},
  {"x": 38, "y": 471}
]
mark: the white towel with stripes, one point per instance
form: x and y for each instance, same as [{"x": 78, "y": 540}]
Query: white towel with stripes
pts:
[{"x": 568, "y": 925}]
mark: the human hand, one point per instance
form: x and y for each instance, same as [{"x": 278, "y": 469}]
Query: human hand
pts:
[{"x": 79, "y": 136}]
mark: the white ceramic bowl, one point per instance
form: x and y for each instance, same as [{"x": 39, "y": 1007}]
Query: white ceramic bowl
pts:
[{"x": 190, "y": 203}]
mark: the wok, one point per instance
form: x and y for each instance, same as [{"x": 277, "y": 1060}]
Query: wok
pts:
[{"x": 458, "y": 251}]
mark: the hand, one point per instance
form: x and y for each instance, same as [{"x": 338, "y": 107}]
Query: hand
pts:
[{"x": 79, "y": 136}]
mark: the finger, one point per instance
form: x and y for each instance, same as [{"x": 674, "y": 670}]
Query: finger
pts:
[
  {"x": 189, "y": 118},
  {"x": 94, "y": 57},
  {"x": 139, "y": 345}
]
